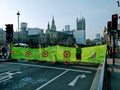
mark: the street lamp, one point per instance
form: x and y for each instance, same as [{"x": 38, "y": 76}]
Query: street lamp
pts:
[
  {"x": 18, "y": 26},
  {"x": 118, "y": 3}
]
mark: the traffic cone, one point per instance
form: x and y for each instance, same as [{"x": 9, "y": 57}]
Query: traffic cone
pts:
[
  {"x": 54, "y": 62},
  {"x": 28, "y": 60},
  {"x": 38, "y": 61},
  {"x": 66, "y": 62}
]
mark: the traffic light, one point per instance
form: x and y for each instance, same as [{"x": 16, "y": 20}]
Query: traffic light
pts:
[
  {"x": 9, "y": 32},
  {"x": 9, "y": 28},
  {"x": 109, "y": 25},
  {"x": 114, "y": 21}
]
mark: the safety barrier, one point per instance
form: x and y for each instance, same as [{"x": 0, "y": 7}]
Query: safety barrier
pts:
[
  {"x": 93, "y": 54},
  {"x": 99, "y": 82}
]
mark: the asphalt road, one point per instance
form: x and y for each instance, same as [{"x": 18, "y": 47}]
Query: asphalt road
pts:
[{"x": 45, "y": 76}]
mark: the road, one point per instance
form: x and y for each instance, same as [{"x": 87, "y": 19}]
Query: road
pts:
[{"x": 45, "y": 76}]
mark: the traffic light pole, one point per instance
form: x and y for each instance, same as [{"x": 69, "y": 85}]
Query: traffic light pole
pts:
[{"x": 114, "y": 49}]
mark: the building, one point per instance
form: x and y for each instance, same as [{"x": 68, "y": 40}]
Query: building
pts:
[
  {"x": 67, "y": 27},
  {"x": 80, "y": 24},
  {"x": 54, "y": 37},
  {"x": 23, "y": 33},
  {"x": 80, "y": 32},
  {"x": 36, "y": 37},
  {"x": 2, "y": 36},
  {"x": 98, "y": 39},
  {"x": 51, "y": 34},
  {"x": 80, "y": 37},
  {"x": 53, "y": 26},
  {"x": 106, "y": 36}
]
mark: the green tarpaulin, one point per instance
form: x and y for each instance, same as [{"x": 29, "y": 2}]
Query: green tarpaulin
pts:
[{"x": 95, "y": 54}]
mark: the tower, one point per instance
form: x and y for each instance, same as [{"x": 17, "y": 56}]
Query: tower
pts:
[
  {"x": 80, "y": 33},
  {"x": 53, "y": 26},
  {"x": 48, "y": 28},
  {"x": 80, "y": 23}
]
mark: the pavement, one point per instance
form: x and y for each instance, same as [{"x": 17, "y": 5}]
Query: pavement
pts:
[
  {"x": 46, "y": 76},
  {"x": 113, "y": 74}
]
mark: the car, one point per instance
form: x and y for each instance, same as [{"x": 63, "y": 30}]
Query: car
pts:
[{"x": 21, "y": 44}]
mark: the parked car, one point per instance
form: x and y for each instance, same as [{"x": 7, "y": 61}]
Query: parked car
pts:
[{"x": 21, "y": 44}]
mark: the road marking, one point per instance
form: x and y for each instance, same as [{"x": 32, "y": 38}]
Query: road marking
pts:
[
  {"x": 41, "y": 66},
  {"x": 51, "y": 80},
  {"x": 75, "y": 80},
  {"x": 8, "y": 75}
]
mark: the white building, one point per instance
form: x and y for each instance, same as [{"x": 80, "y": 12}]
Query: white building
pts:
[
  {"x": 34, "y": 31},
  {"x": 67, "y": 27},
  {"x": 23, "y": 26},
  {"x": 36, "y": 36},
  {"x": 80, "y": 36},
  {"x": 98, "y": 39}
]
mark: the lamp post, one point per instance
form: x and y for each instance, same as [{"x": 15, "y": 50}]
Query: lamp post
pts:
[
  {"x": 118, "y": 3},
  {"x": 18, "y": 26}
]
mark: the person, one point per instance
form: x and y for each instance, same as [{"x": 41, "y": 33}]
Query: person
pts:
[
  {"x": 78, "y": 52},
  {"x": 0, "y": 52},
  {"x": 7, "y": 51},
  {"x": 3, "y": 51},
  {"x": 111, "y": 52}
]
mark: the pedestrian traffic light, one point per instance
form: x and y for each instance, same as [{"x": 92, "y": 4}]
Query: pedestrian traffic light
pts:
[
  {"x": 109, "y": 24},
  {"x": 9, "y": 32},
  {"x": 114, "y": 21}
]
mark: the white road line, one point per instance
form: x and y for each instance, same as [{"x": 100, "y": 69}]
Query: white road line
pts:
[
  {"x": 41, "y": 66},
  {"x": 51, "y": 80}
]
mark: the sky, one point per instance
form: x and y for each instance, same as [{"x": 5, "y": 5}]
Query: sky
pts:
[{"x": 37, "y": 13}]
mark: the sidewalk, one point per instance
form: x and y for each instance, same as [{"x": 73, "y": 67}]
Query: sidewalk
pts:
[{"x": 113, "y": 74}]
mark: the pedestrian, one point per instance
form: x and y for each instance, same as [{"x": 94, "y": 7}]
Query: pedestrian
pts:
[
  {"x": 6, "y": 51},
  {"x": 0, "y": 52},
  {"x": 78, "y": 52},
  {"x": 3, "y": 51},
  {"x": 111, "y": 52}
]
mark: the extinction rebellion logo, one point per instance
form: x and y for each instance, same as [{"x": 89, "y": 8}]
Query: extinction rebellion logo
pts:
[
  {"x": 44, "y": 53},
  {"x": 27, "y": 53},
  {"x": 67, "y": 54}
]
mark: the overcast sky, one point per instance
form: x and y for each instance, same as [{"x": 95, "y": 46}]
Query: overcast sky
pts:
[{"x": 37, "y": 13}]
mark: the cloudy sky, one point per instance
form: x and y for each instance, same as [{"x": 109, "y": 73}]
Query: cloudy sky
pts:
[{"x": 37, "y": 13}]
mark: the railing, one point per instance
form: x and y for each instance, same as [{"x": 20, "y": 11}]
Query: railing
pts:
[
  {"x": 102, "y": 76},
  {"x": 99, "y": 80}
]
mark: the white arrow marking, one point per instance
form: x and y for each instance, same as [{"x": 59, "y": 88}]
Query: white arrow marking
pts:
[{"x": 75, "y": 80}]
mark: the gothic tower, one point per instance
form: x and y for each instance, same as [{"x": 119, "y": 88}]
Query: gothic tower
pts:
[
  {"x": 48, "y": 28},
  {"x": 53, "y": 26},
  {"x": 80, "y": 23}
]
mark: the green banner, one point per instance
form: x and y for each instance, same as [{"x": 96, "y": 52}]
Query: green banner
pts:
[
  {"x": 95, "y": 54},
  {"x": 48, "y": 54},
  {"x": 66, "y": 53}
]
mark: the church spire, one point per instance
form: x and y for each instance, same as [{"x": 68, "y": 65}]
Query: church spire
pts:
[
  {"x": 53, "y": 26},
  {"x": 48, "y": 28},
  {"x": 53, "y": 22}
]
